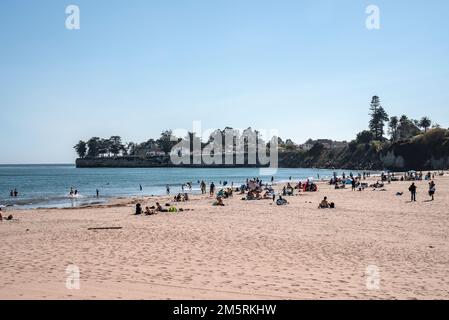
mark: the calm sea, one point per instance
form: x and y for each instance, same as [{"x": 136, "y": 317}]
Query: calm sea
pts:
[{"x": 49, "y": 185}]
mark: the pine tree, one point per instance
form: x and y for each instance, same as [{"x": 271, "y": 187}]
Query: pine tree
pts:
[{"x": 378, "y": 119}]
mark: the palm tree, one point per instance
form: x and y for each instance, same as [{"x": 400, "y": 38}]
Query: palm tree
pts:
[
  {"x": 425, "y": 123},
  {"x": 81, "y": 148}
]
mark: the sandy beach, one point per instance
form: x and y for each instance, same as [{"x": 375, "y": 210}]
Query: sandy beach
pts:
[{"x": 244, "y": 250}]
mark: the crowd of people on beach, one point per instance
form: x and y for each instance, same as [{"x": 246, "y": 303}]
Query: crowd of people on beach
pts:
[{"x": 257, "y": 189}]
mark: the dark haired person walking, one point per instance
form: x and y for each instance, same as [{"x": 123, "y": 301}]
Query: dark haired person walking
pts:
[
  {"x": 432, "y": 189},
  {"x": 412, "y": 190}
]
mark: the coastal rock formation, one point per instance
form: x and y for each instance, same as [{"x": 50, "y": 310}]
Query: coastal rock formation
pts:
[{"x": 427, "y": 151}]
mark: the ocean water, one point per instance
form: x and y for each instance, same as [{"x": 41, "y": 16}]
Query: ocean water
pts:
[{"x": 46, "y": 186}]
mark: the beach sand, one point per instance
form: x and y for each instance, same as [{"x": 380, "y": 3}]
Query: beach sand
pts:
[{"x": 245, "y": 250}]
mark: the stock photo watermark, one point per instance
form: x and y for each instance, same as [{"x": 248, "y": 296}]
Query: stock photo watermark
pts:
[
  {"x": 372, "y": 22},
  {"x": 258, "y": 148},
  {"x": 72, "y": 21},
  {"x": 372, "y": 276},
  {"x": 72, "y": 281}
]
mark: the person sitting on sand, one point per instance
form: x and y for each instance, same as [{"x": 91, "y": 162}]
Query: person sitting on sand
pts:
[
  {"x": 281, "y": 201},
  {"x": 159, "y": 208},
  {"x": 219, "y": 202},
  {"x": 177, "y": 198},
  {"x": 267, "y": 195},
  {"x": 186, "y": 197},
  {"x": 138, "y": 209},
  {"x": 228, "y": 192},
  {"x": 149, "y": 212},
  {"x": 324, "y": 204}
]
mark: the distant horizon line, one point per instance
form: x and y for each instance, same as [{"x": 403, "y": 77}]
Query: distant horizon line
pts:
[{"x": 36, "y": 164}]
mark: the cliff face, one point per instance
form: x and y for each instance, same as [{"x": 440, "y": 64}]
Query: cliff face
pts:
[
  {"x": 424, "y": 152},
  {"x": 362, "y": 158}
]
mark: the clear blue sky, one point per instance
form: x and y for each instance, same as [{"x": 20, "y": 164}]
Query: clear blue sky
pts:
[{"x": 306, "y": 68}]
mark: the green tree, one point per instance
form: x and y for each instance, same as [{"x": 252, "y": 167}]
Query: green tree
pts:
[
  {"x": 365, "y": 136},
  {"x": 425, "y": 123},
  {"x": 81, "y": 148},
  {"x": 115, "y": 145},
  {"x": 393, "y": 128},
  {"x": 165, "y": 141},
  {"x": 130, "y": 148},
  {"x": 378, "y": 118},
  {"x": 407, "y": 128},
  {"x": 94, "y": 147},
  {"x": 104, "y": 147}
]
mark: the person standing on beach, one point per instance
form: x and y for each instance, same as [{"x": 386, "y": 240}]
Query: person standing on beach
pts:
[
  {"x": 412, "y": 190},
  {"x": 203, "y": 187},
  {"x": 212, "y": 189},
  {"x": 353, "y": 184},
  {"x": 98, "y": 193},
  {"x": 168, "y": 189},
  {"x": 432, "y": 189},
  {"x": 140, "y": 187}
]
